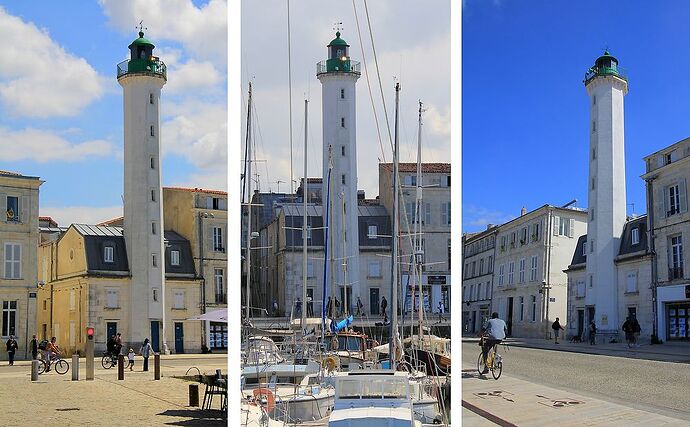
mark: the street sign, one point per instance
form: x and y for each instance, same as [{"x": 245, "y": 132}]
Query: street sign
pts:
[{"x": 436, "y": 280}]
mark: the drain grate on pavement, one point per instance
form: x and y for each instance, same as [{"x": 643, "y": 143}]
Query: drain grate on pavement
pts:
[
  {"x": 505, "y": 395},
  {"x": 561, "y": 403}
]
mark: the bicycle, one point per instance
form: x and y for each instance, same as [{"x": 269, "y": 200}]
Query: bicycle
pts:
[
  {"x": 60, "y": 365},
  {"x": 109, "y": 360},
  {"x": 494, "y": 362}
]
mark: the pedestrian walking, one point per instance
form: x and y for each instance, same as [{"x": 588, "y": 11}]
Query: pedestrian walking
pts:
[
  {"x": 557, "y": 328},
  {"x": 130, "y": 357},
  {"x": 337, "y": 306},
  {"x": 298, "y": 306},
  {"x": 384, "y": 305},
  {"x": 310, "y": 306},
  {"x": 360, "y": 307},
  {"x": 636, "y": 331},
  {"x": 592, "y": 333},
  {"x": 11, "y": 348},
  {"x": 275, "y": 307},
  {"x": 34, "y": 348},
  {"x": 629, "y": 331},
  {"x": 146, "y": 351}
]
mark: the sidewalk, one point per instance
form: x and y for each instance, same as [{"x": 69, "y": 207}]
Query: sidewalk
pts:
[
  {"x": 668, "y": 352},
  {"x": 97, "y": 358},
  {"x": 512, "y": 402}
]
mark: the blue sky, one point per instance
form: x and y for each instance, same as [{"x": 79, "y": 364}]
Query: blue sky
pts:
[
  {"x": 525, "y": 109},
  {"x": 61, "y": 106}
]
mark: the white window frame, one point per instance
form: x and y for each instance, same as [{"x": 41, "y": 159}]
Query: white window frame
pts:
[
  {"x": 521, "y": 271},
  {"x": 521, "y": 299},
  {"x": 218, "y": 239},
  {"x": 72, "y": 300},
  {"x": 108, "y": 254},
  {"x": 16, "y": 216},
  {"x": 8, "y": 312},
  {"x": 511, "y": 272},
  {"x": 635, "y": 236},
  {"x": 500, "y": 274},
  {"x": 533, "y": 308},
  {"x": 373, "y": 231},
  {"x": 174, "y": 257},
  {"x": 580, "y": 289}
]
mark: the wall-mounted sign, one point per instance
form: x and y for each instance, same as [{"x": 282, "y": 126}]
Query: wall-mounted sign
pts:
[
  {"x": 32, "y": 294},
  {"x": 436, "y": 280}
]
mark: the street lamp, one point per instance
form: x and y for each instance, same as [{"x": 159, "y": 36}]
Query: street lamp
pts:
[{"x": 202, "y": 216}]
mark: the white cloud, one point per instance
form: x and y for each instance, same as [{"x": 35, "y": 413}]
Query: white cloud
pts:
[
  {"x": 38, "y": 78},
  {"x": 193, "y": 77},
  {"x": 43, "y": 146},
  {"x": 203, "y": 31},
  {"x": 476, "y": 218},
  {"x": 199, "y": 133},
  {"x": 66, "y": 215}
]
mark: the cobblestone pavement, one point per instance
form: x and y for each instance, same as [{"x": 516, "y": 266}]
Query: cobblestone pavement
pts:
[{"x": 137, "y": 400}]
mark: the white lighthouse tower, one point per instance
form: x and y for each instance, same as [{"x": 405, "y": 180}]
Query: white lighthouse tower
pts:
[
  {"x": 142, "y": 77},
  {"x": 606, "y": 87},
  {"x": 338, "y": 75}
]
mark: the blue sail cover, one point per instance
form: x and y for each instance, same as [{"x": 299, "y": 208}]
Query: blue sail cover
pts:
[{"x": 343, "y": 324}]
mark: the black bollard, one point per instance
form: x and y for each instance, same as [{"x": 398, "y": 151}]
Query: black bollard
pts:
[
  {"x": 157, "y": 366},
  {"x": 121, "y": 367},
  {"x": 194, "y": 395}
]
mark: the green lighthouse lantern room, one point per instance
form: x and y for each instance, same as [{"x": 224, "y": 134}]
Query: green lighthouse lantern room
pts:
[
  {"x": 605, "y": 65},
  {"x": 141, "y": 60},
  {"x": 338, "y": 58}
]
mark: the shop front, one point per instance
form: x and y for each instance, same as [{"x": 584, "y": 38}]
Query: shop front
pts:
[{"x": 673, "y": 312}]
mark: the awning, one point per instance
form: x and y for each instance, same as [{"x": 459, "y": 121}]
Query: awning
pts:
[{"x": 213, "y": 316}]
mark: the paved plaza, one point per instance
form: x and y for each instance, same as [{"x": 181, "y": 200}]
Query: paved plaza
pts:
[
  {"x": 137, "y": 400},
  {"x": 545, "y": 384}
]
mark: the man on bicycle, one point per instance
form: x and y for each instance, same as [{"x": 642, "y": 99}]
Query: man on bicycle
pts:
[
  {"x": 51, "y": 351},
  {"x": 493, "y": 332}
]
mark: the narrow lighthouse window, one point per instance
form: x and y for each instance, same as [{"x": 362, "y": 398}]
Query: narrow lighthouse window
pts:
[
  {"x": 152, "y": 132},
  {"x": 342, "y": 93},
  {"x": 342, "y": 122},
  {"x": 150, "y": 98}
]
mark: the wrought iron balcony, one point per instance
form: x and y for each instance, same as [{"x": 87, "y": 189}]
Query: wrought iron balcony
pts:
[
  {"x": 605, "y": 71},
  {"x": 153, "y": 66},
  {"x": 338, "y": 66}
]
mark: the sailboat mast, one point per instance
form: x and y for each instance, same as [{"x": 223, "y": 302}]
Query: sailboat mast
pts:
[
  {"x": 394, "y": 250},
  {"x": 303, "y": 322},
  {"x": 248, "y": 180},
  {"x": 418, "y": 237},
  {"x": 345, "y": 306}
]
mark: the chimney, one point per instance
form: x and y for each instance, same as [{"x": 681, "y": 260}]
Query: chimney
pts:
[{"x": 523, "y": 211}]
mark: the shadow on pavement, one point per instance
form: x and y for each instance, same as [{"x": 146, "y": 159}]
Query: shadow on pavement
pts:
[{"x": 197, "y": 417}]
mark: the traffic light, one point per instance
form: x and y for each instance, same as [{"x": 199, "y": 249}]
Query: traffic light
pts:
[{"x": 89, "y": 333}]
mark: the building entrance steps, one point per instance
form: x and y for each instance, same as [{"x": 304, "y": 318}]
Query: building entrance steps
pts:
[
  {"x": 667, "y": 352},
  {"x": 514, "y": 402}
]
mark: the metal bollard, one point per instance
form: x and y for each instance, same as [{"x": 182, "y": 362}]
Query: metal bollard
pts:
[
  {"x": 121, "y": 367},
  {"x": 157, "y": 366},
  {"x": 34, "y": 370},
  {"x": 194, "y": 395},
  {"x": 75, "y": 367}
]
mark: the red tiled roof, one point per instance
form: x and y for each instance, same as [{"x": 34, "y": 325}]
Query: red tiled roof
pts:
[
  {"x": 198, "y": 190},
  {"x": 412, "y": 167},
  {"x": 111, "y": 221},
  {"x": 45, "y": 218}
]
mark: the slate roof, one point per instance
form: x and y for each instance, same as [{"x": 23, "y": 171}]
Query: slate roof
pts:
[
  {"x": 626, "y": 246},
  {"x": 96, "y": 238},
  {"x": 367, "y": 215}
]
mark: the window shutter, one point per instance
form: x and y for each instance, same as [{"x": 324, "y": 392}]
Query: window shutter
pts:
[
  {"x": 528, "y": 238},
  {"x": 661, "y": 202},
  {"x": 660, "y": 160},
  {"x": 682, "y": 196},
  {"x": 25, "y": 209},
  {"x": 572, "y": 227},
  {"x": 556, "y": 224},
  {"x": 3, "y": 206}
]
